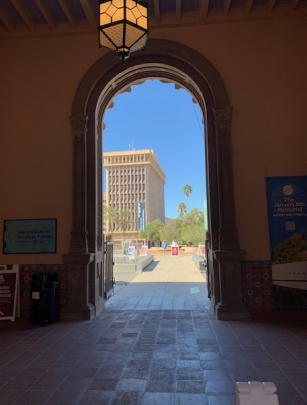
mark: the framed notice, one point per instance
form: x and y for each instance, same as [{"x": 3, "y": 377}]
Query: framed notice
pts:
[
  {"x": 8, "y": 291},
  {"x": 23, "y": 236}
]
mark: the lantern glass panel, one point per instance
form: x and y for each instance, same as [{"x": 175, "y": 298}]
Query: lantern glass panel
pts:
[
  {"x": 105, "y": 19},
  {"x": 130, "y": 16},
  {"x": 118, "y": 3},
  {"x": 142, "y": 22},
  {"x": 136, "y": 12},
  {"x": 104, "y": 7},
  {"x": 130, "y": 4},
  {"x": 118, "y": 15}
]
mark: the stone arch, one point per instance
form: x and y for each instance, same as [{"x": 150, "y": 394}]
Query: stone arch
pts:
[{"x": 187, "y": 68}]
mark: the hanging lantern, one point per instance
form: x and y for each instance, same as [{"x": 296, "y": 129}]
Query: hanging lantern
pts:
[{"x": 123, "y": 26}]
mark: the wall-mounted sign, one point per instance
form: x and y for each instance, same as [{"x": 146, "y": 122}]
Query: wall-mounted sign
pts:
[
  {"x": 141, "y": 216},
  {"x": 8, "y": 291},
  {"x": 29, "y": 236}
]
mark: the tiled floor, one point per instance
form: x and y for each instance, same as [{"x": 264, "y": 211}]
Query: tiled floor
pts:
[{"x": 150, "y": 357}]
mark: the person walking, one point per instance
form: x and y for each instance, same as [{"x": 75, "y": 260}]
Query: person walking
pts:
[{"x": 164, "y": 246}]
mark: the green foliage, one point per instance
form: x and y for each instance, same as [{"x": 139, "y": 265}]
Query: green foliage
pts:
[
  {"x": 195, "y": 216},
  {"x": 110, "y": 213},
  {"x": 153, "y": 231},
  {"x": 125, "y": 219},
  {"x": 172, "y": 231},
  {"x": 193, "y": 234},
  {"x": 187, "y": 190},
  {"x": 182, "y": 209}
]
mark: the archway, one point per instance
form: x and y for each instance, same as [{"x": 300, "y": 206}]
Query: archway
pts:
[{"x": 187, "y": 68}]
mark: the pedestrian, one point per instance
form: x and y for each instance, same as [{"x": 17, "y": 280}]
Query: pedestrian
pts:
[
  {"x": 164, "y": 246},
  {"x": 174, "y": 243}
]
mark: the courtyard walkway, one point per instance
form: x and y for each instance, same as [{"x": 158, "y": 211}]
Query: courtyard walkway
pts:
[
  {"x": 167, "y": 283},
  {"x": 151, "y": 352}
]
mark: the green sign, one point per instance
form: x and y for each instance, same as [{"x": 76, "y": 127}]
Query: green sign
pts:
[{"x": 29, "y": 236}]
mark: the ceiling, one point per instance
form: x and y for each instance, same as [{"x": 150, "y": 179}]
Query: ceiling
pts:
[{"x": 30, "y": 18}]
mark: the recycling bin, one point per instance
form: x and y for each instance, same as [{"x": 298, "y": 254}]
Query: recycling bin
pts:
[{"x": 45, "y": 302}]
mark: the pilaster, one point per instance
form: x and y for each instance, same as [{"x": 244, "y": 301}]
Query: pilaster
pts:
[
  {"x": 78, "y": 305},
  {"x": 79, "y": 239},
  {"x": 231, "y": 306}
]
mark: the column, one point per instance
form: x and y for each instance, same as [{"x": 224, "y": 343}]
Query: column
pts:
[
  {"x": 78, "y": 259},
  {"x": 229, "y": 256}
]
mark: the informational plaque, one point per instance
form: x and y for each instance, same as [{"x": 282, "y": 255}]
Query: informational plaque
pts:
[
  {"x": 29, "y": 236},
  {"x": 9, "y": 276}
]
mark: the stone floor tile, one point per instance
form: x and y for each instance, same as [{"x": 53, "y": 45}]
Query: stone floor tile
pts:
[
  {"x": 196, "y": 386},
  {"x": 103, "y": 384},
  {"x": 127, "y": 398},
  {"x": 158, "y": 398},
  {"x": 20, "y": 383},
  {"x": 190, "y": 399},
  {"x": 96, "y": 398},
  {"x": 8, "y": 397},
  {"x": 216, "y": 375},
  {"x": 35, "y": 397},
  {"x": 220, "y": 387},
  {"x": 159, "y": 385},
  {"x": 70, "y": 397},
  {"x": 293, "y": 400},
  {"x": 75, "y": 383},
  {"x": 221, "y": 400},
  {"x": 47, "y": 383},
  {"x": 130, "y": 384}
]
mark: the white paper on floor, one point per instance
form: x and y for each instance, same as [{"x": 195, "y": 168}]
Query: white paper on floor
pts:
[{"x": 194, "y": 290}]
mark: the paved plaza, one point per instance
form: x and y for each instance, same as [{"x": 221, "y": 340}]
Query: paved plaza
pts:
[
  {"x": 142, "y": 351},
  {"x": 169, "y": 282}
]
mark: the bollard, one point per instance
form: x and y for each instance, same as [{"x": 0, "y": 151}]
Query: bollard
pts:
[{"x": 256, "y": 393}]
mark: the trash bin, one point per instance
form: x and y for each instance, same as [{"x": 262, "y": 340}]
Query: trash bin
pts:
[{"x": 45, "y": 304}]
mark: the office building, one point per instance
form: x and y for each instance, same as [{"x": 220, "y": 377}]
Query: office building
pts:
[{"x": 134, "y": 182}]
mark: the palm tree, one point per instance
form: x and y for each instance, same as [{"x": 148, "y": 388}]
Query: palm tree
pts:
[
  {"x": 187, "y": 190},
  {"x": 182, "y": 209},
  {"x": 110, "y": 213},
  {"x": 125, "y": 219}
]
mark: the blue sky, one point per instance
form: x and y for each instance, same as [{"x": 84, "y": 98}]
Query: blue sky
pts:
[{"x": 157, "y": 116}]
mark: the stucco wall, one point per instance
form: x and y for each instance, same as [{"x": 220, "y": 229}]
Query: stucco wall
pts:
[{"x": 264, "y": 69}]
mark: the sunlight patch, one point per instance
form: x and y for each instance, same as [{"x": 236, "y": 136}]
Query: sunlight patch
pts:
[{"x": 194, "y": 290}]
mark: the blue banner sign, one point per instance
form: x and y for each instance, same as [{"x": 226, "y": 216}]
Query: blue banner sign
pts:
[
  {"x": 287, "y": 208},
  {"x": 287, "y": 214},
  {"x": 29, "y": 236},
  {"x": 141, "y": 216}
]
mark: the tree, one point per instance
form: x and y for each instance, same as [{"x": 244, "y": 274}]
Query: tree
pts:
[
  {"x": 153, "y": 231},
  {"x": 110, "y": 213},
  {"x": 172, "y": 231},
  {"x": 187, "y": 190},
  {"x": 194, "y": 217},
  {"x": 182, "y": 209},
  {"x": 125, "y": 219},
  {"x": 193, "y": 234}
]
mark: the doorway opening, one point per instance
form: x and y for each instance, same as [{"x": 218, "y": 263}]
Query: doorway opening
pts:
[{"x": 154, "y": 191}]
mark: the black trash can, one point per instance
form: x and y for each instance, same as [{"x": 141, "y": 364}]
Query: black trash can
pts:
[{"x": 45, "y": 298}]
